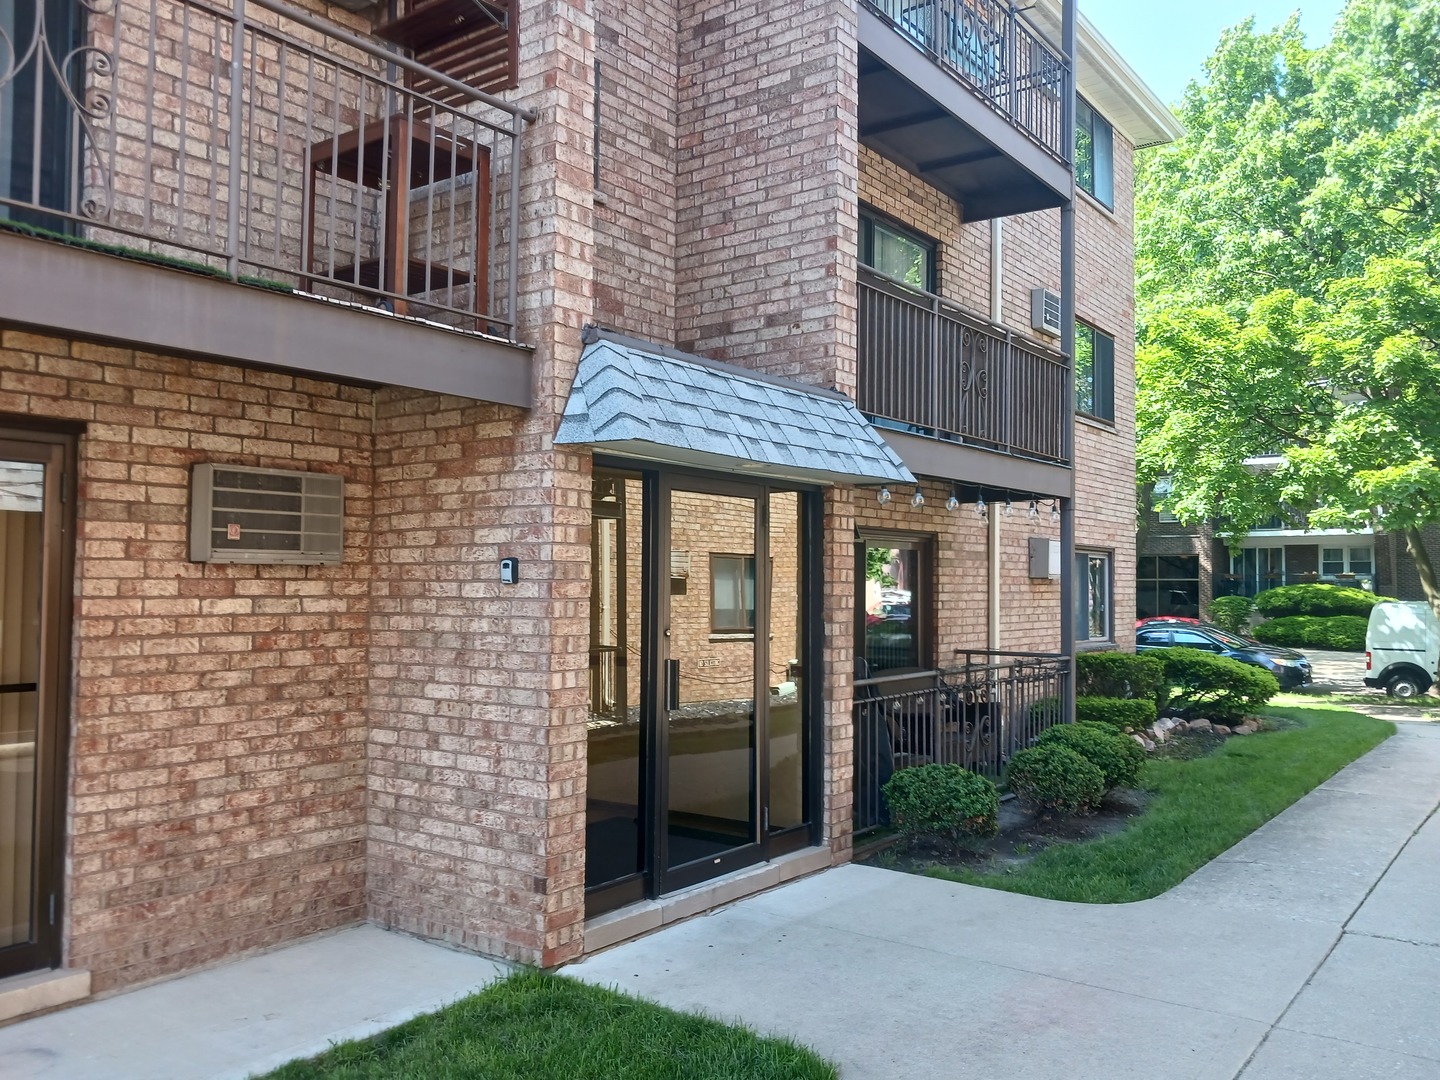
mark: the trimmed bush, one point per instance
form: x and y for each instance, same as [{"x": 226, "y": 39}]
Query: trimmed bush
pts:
[
  {"x": 1315, "y": 600},
  {"x": 1117, "y": 756},
  {"x": 1215, "y": 687},
  {"x": 1232, "y": 613},
  {"x": 1118, "y": 675},
  {"x": 1345, "y": 632},
  {"x": 947, "y": 802},
  {"x": 1118, "y": 713},
  {"x": 1056, "y": 780}
]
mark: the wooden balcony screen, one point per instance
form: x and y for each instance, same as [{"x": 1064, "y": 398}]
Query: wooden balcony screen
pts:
[{"x": 472, "y": 41}]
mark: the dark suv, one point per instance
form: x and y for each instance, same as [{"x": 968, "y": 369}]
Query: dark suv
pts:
[{"x": 1289, "y": 667}]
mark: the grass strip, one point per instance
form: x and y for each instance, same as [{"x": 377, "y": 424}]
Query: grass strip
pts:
[
  {"x": 547, "y": 1027},
  {"x": 1202, "y": 806}
]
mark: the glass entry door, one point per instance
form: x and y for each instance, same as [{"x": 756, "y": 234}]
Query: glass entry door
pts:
[
  {"x": 32, "y": 547},
  {"x": 711, "y": 819}
]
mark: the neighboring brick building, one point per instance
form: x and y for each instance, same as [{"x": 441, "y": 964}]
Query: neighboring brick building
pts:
[{"x": 541, "y": 684}]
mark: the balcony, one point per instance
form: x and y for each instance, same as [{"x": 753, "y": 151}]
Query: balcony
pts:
[
  {"x": 260, "y": 146},
  {"x": 970, "y": 97},
  {"x": 929, "y": 368}
]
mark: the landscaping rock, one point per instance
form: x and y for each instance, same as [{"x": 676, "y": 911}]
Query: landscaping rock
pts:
[
  {"x": 1220, "y": 729},
  {"x": 1203, "y": 726},
  {"x": 1249, "y": 727},
  {"x": 1146, "y": 743}
]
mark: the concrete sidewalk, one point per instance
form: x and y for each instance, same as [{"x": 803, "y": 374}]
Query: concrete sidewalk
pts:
[
  {"x": 248, "y": 1016},
  {"x": 1309, "y": 951}
]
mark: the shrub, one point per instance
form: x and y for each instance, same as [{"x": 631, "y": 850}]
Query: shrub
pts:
[
  {"x": 1232, "y": 613},
  {"x": 1118, "y": 675},
  {"x": 1346, "y": 632},
  {"x": 1117, "y": 756},
  {"x": 1044, "y": 711},
  {"x": 1118, "y": 713},
  {"x": 1315, "y": 600},
  {"x": 1055, "y": 779},
  {"x": 947, "y": 802},
  {"x": 1216, "y": 687}
]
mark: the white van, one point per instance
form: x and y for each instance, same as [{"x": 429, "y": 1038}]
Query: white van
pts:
[{"x": 1402, "y": 648}]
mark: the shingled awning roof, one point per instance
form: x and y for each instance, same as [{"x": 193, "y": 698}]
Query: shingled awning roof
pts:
[{"x": 632, "y": 397}]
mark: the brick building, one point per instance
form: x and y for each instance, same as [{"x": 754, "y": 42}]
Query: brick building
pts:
[{"x": 435, "y": 492}]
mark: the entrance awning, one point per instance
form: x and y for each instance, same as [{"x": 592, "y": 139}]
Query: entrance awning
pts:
[{"x": 634, "y": 398}]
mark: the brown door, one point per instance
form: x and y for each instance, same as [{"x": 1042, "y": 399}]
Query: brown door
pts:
[{"x": 35, "y": 565}]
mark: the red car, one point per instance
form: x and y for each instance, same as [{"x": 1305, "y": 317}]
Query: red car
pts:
[{"x": 1166, "y": 619}]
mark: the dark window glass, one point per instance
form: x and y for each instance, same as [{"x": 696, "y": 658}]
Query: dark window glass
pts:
[
  {"x": 1094, "y": 154},
  {"x": 897, "y": 252},
  {"x": 893, "y": 600},
  {"x": 1094, "y": 372},
  {"x": 1092, "y": 597}
]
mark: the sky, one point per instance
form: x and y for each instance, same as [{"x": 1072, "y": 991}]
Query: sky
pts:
[{"x": 1167, "y": 41}]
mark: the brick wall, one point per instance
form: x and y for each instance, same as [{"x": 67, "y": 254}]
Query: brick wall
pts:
[{"x": 218, "y": 733}]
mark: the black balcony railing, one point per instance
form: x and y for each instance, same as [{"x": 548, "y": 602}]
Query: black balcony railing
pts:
[
  {"x": 261, "y": 143},
  {"x": 990, "y": 47},
  {"x": 932, "y": 368},
  {"x": 977, "y": 714}
]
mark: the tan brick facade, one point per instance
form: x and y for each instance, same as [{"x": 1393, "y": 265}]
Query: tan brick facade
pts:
[{"x": 260, "y": 752}]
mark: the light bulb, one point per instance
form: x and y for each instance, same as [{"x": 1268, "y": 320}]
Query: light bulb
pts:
[
  {"x": 884, "y": 496},
  {"x": 1008, "y": 508},
  {"x": 1034, "y": 510},
  {"x": 1055, "y": 512},
  {"x": 980, "y": 506},
  {"x": 952, "y": 504},
  {"x": 919, "y": 499}
]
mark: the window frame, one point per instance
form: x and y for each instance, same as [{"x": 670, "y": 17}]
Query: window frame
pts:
[
  {"x": 1101, "y": 380},
  {"x": 1083, "y": 595},
  {"x": 923, "y": 612},
  {"x": 870, "y": 218},
  {"x": 745, "y": 562},
  {"x": 1347, "y": 560},
  {"x": 1092, "y": 123}
]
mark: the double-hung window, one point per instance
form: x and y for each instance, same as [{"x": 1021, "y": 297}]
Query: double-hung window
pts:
[
  {"x": 896, "y": 251},
  {"x": 1094, "y": 154},
  {"x": 1094, "y": 372}
]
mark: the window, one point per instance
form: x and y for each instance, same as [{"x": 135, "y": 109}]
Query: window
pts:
[
  {"x": 1163, "y": 488},
  {"x": 1094, "y": 372},
  {"x": 1092, "y": 597},
  {"x": 896, "y": 252},
  {"x": 1167, "y": 585},
  {"x": 732, "y": 594},
  {"x": 1193, "y": 639},
  {"x": 1359, "y": 561},
  {"x": 894, "y": 599},
  {"x": 1094, "y": 154}
]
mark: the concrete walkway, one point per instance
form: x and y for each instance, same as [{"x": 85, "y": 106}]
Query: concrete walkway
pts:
[
  {"x": 1309, "y": 951},
  {"x": 249, "y": 1016}
]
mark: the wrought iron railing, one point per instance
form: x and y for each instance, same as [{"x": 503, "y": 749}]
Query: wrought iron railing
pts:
[
  {"x": 990, "y": 47},
  {"x": 927, "y": 365},
  {"x": 976, "y": 714},
  {"x": 257, "y": 141}
]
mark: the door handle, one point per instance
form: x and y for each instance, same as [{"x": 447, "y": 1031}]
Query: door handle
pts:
[{"x": 672, "y": 684}]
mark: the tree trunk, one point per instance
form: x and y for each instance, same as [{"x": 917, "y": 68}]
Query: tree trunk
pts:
[{"x": 1415, "y": 545}]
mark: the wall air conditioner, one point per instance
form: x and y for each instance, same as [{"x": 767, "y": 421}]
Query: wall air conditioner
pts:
[
  {"x": 1045, "y": 311},
  {"x": 244, "y": 515}
]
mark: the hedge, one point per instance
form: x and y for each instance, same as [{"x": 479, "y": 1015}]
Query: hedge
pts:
[
  {"x": 1117, "y": 756},
  {"x": 1118, "y": 713},
  {"x": 1056, "y": 780},
  {"x": 1344, "y": 632},
  {"x": 946, "y": 802},
  {"x": 1315, "y": 600},
  {"x": 1118, "y": 675},
  {"x": 1232, "y": 613},
  {"x": 1215, "y": 687}
]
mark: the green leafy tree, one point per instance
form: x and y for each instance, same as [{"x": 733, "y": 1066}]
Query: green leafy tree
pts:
[{"x": 1287, "y": 257}]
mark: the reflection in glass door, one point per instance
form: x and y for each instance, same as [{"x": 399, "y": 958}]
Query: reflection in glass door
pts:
[
  {"x": 30, "y": 553},
  {"x": 709, "y": 686}
]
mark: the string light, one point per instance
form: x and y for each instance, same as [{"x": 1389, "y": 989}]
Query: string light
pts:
[
  {"x": 1034, "y": 509},
  {"x": 1008, "y": 508},
  {"x": 953, "y": 502},
  {"x": 884, "y": 496},
  {"x": 919, "y": 498},
  {"x": 1055, "y": 511},
  {"x": 980, "y": 506}
]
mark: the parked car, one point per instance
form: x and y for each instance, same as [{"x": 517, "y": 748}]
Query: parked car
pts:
[
  {"x": 1289, "y": 667},
  {"x": 1402, "y": 648},
  {"x": 1180, "y": 620},
  {"x": 1165, "y": 618}
]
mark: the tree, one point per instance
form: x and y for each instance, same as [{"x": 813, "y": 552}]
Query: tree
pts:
[{"x": 1287, "y": 257}]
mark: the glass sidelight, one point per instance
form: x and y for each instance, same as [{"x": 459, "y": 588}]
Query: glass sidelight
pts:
[{"x": 32, "y": 552}]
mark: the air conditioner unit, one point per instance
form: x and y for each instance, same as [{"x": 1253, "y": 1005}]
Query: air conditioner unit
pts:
[
  {"x": 1045, "y": 311},
  {"x": 244, "y": 515}
]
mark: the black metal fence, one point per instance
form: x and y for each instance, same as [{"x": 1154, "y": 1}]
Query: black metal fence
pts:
[
  {"x": 978, "y": 714},
  {"x": 927, "y": 365},
  {"x": 991, "y": 47}
]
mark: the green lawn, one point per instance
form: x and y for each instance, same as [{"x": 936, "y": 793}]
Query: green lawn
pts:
[
  {"x": 1201, "y": 806},
  {"x": 545, "y": 1027}
]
